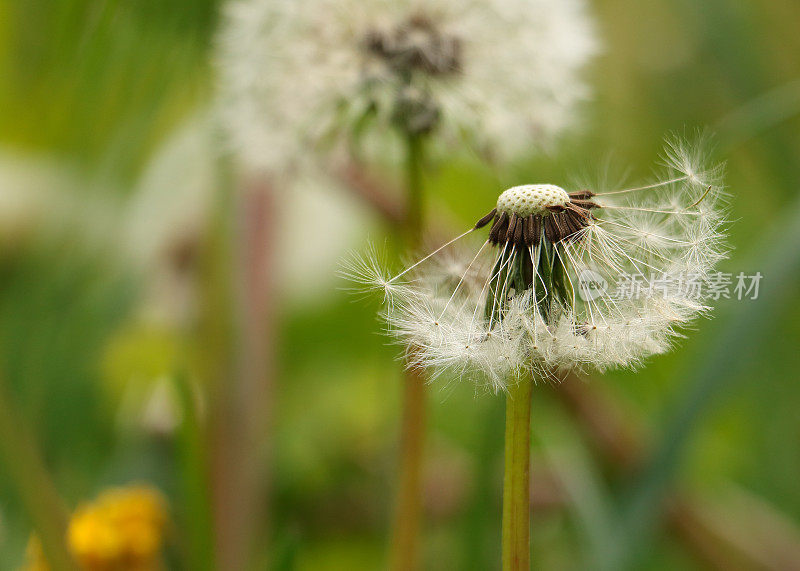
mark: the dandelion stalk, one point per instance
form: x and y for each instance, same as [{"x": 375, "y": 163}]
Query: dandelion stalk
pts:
[
  {"x": 35, "y": 488},
  {"x": 516, "y": 482},
  {"x": 408, "y": 515},
  {"x": 408, "y": 509}
]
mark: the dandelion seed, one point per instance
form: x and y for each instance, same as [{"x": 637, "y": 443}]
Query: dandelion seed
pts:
[{"x": 521, "y": 302}]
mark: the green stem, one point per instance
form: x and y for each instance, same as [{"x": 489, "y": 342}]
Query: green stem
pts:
[
  {"x": 34, "y": 486},
  {"x": 408, "y": 510},
  {"x": 516, "y": 483},
  {"x": 192, "y": 449},
  {"x": 408, "y": 514}
]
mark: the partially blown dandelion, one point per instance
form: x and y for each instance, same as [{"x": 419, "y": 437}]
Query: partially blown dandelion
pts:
[
  {"x": 504, "y": 74},
  {"x": 531, "y": 299}
]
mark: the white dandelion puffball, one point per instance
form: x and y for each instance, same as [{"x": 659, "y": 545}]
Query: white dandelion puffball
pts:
[
  {"x": 504, "y": 75},
  {"x": 563, "y": 280}
]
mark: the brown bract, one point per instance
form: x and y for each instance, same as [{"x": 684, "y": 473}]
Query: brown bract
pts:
[{"x": 557, "y": 223}]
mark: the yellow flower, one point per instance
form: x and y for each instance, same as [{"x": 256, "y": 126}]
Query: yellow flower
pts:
[
  {"x": 138, "y": 516},
  {"x": 93, "y": 542},
  {"x": 122, "y": 530}
]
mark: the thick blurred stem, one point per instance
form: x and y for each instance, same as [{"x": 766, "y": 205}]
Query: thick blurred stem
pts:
[
  {"x": 243, "y": 427},
  {"x": 34, "y": 486},
  {"x": 408, "y": 515},
  {"x": 408, "y": 509},
  {"x": 516, "y": 482}
]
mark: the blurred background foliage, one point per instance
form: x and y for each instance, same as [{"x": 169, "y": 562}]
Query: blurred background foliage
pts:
[{"x": 108, "y": 164}]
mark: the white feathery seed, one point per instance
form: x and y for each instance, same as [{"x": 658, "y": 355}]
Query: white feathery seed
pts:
[
  {"x": 503, "y": 75},
  {"x": 670, "y": 228}
]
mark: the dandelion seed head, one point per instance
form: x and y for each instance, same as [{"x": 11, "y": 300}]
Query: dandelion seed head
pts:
[
  {"x": 531, "y": 199},
  {"x": 520, "y": 303}
]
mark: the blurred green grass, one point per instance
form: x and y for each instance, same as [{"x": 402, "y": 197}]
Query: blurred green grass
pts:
[{"x": 100, "y": 85}]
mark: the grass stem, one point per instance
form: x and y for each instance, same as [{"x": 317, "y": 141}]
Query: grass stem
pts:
[{"x": 34, "y": 485}]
